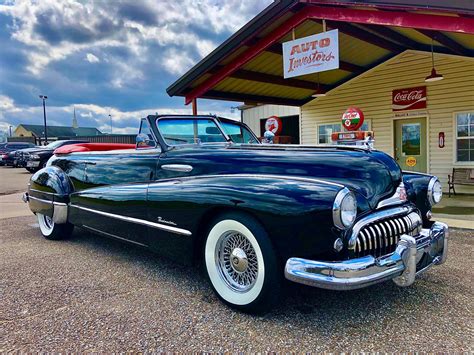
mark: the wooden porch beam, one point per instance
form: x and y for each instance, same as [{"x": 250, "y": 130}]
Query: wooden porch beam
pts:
[
  {"x": 446, "y": 41},
  {"x": 257, "y": 99},
  {"x": 396, "y": 36},
  {"x": 271, "y": 79}
]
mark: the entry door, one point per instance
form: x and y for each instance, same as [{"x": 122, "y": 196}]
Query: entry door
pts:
[{"x": 411, "y": 144}]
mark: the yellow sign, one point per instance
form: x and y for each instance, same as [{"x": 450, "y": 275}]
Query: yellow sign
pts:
[{"x": 411, "y": 161}]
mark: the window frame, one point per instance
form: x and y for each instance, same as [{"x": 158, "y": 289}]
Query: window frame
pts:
[
  {"x": 152, "y": 133},
  {"x": 196, "y": 118},
  {"x": 456, "y": 138}
]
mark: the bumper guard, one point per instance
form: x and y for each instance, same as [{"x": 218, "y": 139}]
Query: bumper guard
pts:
[{"x": 400, "y": 265}]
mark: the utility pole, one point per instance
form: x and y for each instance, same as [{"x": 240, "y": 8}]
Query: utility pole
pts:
[
  {"x": 44, "y": 97},
  {"x": 10, "y": 128},
  {"x": 110, "y": 116}
]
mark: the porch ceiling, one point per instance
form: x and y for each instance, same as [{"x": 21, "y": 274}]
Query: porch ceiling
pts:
[{"x": 249, "y": 67}]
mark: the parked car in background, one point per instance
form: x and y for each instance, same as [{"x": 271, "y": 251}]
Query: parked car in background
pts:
[
  {"x": 335, "y": 217},
  {"x": 9, "y": 147},
  {"x": 36, "y": 158}
]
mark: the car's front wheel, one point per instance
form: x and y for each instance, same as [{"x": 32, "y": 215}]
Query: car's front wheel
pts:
[
  {"x": 53, "y": 231},
  {"x": 241, "y": 263}
]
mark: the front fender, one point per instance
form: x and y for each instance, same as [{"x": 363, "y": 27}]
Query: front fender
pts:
[
  {"x": 296, "y": 212},
  {"x": 416, "y": 185}
]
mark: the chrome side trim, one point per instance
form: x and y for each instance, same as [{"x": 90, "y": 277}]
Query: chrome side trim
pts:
[
  {"x": 393, "y": 212},
  {"x": 400, "y": 266},
  {"x": 255, "y": 176},
  {"x": 47, "y": 201},
  {"x": 395, "y": 199},
  {"x": 178, "y": 167},
  {"x": 60, "y": 209},
  {"x": 137, "y": 220}
]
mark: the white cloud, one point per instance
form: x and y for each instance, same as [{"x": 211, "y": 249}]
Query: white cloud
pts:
[{"x": 92, "y": 58}]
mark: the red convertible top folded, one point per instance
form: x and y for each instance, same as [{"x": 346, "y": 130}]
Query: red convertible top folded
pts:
[{"x": 92, "y": 147}]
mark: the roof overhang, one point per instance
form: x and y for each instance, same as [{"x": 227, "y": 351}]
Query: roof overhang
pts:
[{"x": 248, "y": 66}]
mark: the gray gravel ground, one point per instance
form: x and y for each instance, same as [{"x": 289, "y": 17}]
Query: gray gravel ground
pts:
[{"x": 95, "y": 294}]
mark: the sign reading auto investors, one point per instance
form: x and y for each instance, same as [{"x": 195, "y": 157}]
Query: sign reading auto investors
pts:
[
  {"x": 311, "y": 54},
  {"x": 409, "y": 99}
]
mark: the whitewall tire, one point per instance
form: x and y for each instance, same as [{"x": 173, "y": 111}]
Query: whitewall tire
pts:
[
  {"x": 241, "y": 263},
  {"x": 51, "y": 230}
]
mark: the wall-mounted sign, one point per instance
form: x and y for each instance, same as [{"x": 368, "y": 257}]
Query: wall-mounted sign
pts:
[
  {"x": 311, "y": 54},
  {"x": 409, "y": 99},
  {"x": 274, "y": 125},
  {"x": 352, "y": 119},
  {"x": 410, "y": 161},
  {"x": 441, "y": 140}
]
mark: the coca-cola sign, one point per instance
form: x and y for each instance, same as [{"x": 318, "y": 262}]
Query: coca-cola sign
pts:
[{"x": 409, "y": 99}]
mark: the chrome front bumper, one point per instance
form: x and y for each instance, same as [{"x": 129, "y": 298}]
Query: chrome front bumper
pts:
[{"x": 401, "y": 265}]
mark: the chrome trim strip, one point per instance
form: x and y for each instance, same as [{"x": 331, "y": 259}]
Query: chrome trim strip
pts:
[
  {"x": 42, "y": 192},
  {"x": 400, "y": 266},
  {"x": 395, "y": 199},
  {"x": 256, "y": 176},
  {"x": 177, "y": 167},
  {"x": 137, "y": 220},
  {"x": 373, "y": 217},
  {"x": 113, "y": 236},
  {"x": 47, "y": 201}
]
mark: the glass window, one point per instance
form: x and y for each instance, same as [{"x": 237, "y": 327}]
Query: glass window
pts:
[
  {"x": 184, "y": 131},
  {"x": 411, "y": 139},
  {"x": 238, "y": 133},
  {"x": 325, "y": 131},
  {"x": 145, "y": 129},
  {"x": 465, "y": 137}
]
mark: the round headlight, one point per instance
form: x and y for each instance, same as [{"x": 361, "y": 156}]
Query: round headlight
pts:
[
  {"x": 344, "y": 209},
  {"x": 435, "y": 191}
]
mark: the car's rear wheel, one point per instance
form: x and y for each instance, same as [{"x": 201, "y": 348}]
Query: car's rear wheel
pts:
[
  {"x": 241, "y": 263},
  {"x": 53, "y": 231}
]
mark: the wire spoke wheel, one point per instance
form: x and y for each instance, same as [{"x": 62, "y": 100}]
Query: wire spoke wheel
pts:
[{"x": 236, "y": 261}]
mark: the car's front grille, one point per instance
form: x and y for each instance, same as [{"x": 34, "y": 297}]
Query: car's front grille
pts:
[{"x": 381, "y": 236}]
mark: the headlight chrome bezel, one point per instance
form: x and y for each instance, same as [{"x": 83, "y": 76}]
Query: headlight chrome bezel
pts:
[
  {"x": 337, "y": 208},
  {"x": 434, "y": 183}
]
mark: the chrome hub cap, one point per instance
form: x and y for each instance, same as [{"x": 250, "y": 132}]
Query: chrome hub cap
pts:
[
  {"x": 239, "y": 260},
  {"x": 236, "y": 261},
  {"x": 48, "y": 221}
]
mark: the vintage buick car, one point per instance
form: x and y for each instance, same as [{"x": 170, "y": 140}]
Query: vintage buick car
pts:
[{"x": 199, "y": 188}]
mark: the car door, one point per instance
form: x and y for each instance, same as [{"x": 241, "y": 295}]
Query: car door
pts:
[{"x": 113, "y": 201}]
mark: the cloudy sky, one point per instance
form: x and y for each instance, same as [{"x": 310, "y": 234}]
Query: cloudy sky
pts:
[{"x": 107, "y": 56}]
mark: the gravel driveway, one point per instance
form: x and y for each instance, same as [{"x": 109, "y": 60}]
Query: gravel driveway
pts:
[{"x": 95, "y": 294}]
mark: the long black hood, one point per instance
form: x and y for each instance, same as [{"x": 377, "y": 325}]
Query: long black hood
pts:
[{"x": 371, "y": 174}]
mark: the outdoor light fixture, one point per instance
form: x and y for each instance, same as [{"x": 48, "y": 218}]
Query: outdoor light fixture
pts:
[
  {"x": 434, "y": 76},
  {"x": 319, "y": 92}
]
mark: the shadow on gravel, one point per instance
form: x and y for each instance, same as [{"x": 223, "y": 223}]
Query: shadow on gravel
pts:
[{"x": 321, "y": 310}]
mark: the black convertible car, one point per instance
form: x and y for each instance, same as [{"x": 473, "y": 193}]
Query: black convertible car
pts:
[{"x": 202, "y": 189}]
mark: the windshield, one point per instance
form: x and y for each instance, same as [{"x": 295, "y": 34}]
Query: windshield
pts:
[
  {"x": 187, "y": 131},
  {"x": 238, "y": 133},
  {"x": 54, "y": 145}
]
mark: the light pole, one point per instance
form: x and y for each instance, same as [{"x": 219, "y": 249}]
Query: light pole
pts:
[
  {"x": 10, "y": 128},
  {"x": 110, "y": 116},
  {"x": 44, "y": 97}
]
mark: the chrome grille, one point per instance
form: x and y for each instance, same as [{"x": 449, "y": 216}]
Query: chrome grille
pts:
[{"x": 381, "y": 236}]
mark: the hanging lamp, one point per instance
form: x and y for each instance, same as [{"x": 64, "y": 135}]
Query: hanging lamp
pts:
[{"x": 434, "y": 76}]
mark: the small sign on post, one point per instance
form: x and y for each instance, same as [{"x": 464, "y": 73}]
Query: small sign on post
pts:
[{"x": 311, "y": 54}]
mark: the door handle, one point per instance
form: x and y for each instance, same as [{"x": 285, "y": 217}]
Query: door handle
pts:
[{"x": 182, "y": 168}]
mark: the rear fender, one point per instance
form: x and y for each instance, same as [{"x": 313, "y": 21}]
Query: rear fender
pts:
[{"x": 48, "y": 193}]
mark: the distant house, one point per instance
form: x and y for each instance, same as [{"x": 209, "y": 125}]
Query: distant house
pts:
[{"x": 54, "y": 132}]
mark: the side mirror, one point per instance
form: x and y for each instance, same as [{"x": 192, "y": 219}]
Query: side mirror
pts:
[{"x": 143, "y": 141}]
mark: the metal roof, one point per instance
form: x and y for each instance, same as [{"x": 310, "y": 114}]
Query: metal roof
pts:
[{"x": 248, "y": 66}]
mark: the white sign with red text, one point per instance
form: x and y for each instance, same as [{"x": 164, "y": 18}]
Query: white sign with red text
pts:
[{"x": 311, "y": 54}]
